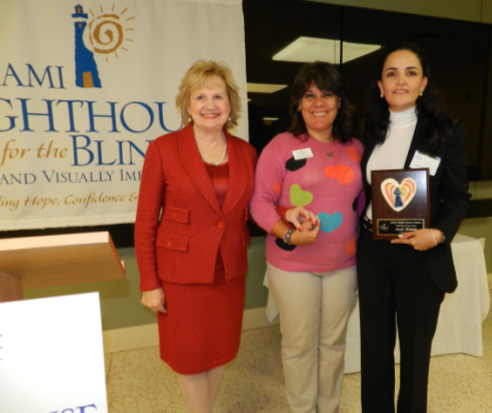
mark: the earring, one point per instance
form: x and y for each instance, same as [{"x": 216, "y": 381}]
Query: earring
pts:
[
  {"x": 189, "y": 118},
  {"x": 381, "y": 95},
  {"x": 421, "y": 94}
]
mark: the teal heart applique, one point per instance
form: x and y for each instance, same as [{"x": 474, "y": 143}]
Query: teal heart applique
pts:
[{"x": 329, "y": 222}]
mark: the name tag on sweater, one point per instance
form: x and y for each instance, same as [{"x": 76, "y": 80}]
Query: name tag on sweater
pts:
[{"x": 304, "y": 153}]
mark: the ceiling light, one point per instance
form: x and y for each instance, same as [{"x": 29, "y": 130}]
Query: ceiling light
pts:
[
  {"x": 263, "y": 88},
  {"x": 310, "y": 49}
]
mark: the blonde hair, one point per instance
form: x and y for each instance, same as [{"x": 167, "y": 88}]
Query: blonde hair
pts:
[{"x": 196, "y": 76}]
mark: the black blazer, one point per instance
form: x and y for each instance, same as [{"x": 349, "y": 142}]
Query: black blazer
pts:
[{"x": 449, "y": 197}]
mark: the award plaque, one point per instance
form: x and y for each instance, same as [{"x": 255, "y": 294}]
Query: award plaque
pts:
[{"x": 400, "y": 202}]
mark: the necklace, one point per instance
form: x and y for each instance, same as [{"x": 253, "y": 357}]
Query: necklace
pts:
[
  {"x": 223, "y": 155},
  {"x": 329, "y": 154}
]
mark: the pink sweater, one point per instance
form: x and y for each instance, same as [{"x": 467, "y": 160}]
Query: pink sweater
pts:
[{"x": 329, "y": 184}]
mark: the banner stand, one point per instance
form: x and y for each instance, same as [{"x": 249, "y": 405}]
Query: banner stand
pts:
[{"x": 52, "y": 260}]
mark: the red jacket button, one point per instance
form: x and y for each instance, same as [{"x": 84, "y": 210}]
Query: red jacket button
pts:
[
  {"x": 220, "y": 224},
  {"x": 170, "y": 243}
]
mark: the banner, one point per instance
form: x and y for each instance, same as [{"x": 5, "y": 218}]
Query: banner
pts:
[{"x": 85, "y": 86}]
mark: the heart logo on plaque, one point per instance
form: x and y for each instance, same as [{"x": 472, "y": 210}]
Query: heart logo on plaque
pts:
[{"x": 398, "y": 195}]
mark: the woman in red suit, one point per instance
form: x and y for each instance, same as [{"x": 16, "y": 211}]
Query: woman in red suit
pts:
[{"x": 191, "y": 233}]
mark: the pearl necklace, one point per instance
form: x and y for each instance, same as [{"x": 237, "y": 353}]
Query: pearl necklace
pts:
[{"x": 223, "y": 155}]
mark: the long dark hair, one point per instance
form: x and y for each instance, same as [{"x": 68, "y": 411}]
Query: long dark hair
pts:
[
  {"x": 431, "y": 106},
  {"x": 327, "y": 78}
]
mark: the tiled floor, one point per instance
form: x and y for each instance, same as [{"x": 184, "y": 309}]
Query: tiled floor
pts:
[{"x": 138, "y": 382}]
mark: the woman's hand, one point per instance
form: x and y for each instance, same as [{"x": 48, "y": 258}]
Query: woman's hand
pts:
[
  {"x": 299, "y": 215},
  {"x": 307, "y": 234},
  {"x": 155, "y": 300},
  {"x": 420, "y": 240}
]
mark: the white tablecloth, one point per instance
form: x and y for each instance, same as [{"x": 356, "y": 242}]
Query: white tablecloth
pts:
[{"x": 459, "y": 328}]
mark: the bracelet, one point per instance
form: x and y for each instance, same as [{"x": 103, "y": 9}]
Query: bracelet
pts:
[
  {"x": 433, "y": 237},
  {"x": 288, "y": 236}
]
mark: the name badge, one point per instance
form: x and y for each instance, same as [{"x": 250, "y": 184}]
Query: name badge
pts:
[
  {"x": 304, "y": 153},
  {"x": 422, "y": 160}
]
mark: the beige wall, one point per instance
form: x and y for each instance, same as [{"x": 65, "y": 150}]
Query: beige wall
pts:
[
  {"x": 470, "y": 10},
  {"x": 487, "y": 11}
]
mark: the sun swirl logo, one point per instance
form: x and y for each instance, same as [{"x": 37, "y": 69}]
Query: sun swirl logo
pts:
[{"x": 104, "y": 33}]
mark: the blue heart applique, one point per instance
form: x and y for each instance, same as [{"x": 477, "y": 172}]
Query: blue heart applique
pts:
[{"x": 329, "y": 222}]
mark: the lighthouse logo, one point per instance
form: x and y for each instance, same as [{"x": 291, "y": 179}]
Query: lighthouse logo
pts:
[{"x": 103, "y": 33}]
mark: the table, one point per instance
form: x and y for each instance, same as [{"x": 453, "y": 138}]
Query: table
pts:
[
  {"x": 459, "y": 329},
  {"x": 52, "y": 260}
]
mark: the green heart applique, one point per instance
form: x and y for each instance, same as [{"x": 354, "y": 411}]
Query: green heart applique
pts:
[{"x": 298, "y": 197}]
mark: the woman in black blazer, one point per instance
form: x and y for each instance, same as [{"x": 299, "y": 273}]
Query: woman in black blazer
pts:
[{"x": 402, "y": 282}]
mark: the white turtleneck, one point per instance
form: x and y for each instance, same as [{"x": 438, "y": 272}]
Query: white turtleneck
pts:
[{"x": 392, "y": 153}]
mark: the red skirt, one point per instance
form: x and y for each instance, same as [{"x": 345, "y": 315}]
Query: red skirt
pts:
[{"x": 202, "y": 327}]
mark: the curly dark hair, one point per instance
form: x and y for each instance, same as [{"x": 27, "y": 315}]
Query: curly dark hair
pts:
[
  {"x": 327, "y": 78},
  {"x": 431, "y": 107}
]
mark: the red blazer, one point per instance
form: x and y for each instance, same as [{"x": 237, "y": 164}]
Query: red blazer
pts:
[{"x": 180, "y": 226}]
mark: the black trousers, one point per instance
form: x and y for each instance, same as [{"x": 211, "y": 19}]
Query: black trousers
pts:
[{"x": 395, "y": 293}]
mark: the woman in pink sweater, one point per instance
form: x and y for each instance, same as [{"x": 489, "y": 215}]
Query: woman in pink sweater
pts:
[{"x": 311, "y": 269}]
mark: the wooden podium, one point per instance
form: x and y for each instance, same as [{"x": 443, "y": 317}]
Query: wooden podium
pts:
[{"x": 51, "y": 260}]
